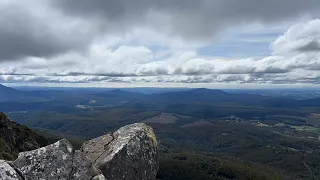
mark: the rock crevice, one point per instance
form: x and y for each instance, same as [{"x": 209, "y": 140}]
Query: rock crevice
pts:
[
  {"x": 130, "y": 153},
  {"x": 18, "y": 172}
]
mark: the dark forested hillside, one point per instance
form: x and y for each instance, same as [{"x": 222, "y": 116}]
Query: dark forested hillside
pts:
[
  {"x": 200, "y": 166},
  {"x": 272, "y": 150},
  {"x": 15, "y": 138}
]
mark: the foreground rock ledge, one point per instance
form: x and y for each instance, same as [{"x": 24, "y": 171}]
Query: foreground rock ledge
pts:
[{"x": 130, "y": 153}]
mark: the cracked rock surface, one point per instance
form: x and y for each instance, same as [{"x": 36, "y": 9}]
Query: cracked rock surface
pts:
[
  {"x": 7, "y": 172},
  {"x": 128, "y": 153}
]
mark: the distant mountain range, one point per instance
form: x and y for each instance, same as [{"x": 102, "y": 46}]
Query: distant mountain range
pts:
[
  {"x": 49, "y": 98},
  {"x": 211, "y": 96}
]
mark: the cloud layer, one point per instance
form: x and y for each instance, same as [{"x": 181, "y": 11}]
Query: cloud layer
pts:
[{"x": 151, "y": 41}]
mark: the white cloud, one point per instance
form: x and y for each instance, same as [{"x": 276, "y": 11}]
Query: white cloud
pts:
[
  {"x": 135, "y": 59},
  {"x": 297, "y": 38}
]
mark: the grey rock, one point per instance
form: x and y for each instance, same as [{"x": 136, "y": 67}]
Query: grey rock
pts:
[
  {"x": 99, "y": 177},
  {"x": 50, "y": 162},
  {"x": 82, "y": 168},
  {"x": 7, "y": 172},
  {"x": 131, "y": 153},
  {"x": 94, "y": 148},
  {"x": 56, "y": 161}
]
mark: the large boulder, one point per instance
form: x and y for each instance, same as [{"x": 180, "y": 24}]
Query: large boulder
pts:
[{"x": 130, "y": 153}]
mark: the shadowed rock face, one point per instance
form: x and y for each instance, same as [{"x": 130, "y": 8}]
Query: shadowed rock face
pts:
[{"x": 128, "y": 153}]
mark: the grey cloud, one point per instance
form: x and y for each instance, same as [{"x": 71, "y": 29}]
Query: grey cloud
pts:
[
  {"x": 23, "y": 38},
  {"x": 58, "y": 79},
  {"x": 187, "y": 18},
  {"x": 30, "y": 32},
  {"x": 272, "y": 70},
  {"x": 147, "y": 71},
  {"x": 294, "y": 53},
  {"x": 17, "y": 74},
  {"x": 22, "y": 78},
  {"x": 238, "y": 69},
  {"x": 312, "y": 46},
  {"x": 22, "y": 44},
  {"x": 95, "y": 74},
  {"x": 27, "y": 31},
  {"x": 287, "y": 78},
  {"x": 233, "y": 78},
  {"x": 301, "y": 38}
]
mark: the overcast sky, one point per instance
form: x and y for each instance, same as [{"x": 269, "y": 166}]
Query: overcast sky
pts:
[{"x": 160, "y": 43}]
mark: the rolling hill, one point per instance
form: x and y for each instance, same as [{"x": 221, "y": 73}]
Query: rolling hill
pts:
[{"x": 9, "y": 94}]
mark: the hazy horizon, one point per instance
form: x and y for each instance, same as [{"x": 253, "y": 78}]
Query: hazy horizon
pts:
[{"x": 173, "y": 86}]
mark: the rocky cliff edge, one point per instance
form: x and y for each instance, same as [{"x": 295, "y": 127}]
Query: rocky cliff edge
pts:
[{"x": 130, "y": 153}]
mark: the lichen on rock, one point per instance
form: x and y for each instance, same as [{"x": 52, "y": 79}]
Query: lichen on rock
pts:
[
  {"x": 151, "y": 135},
  {"x": 130, "y": 155}
]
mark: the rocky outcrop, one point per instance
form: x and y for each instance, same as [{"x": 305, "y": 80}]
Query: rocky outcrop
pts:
[{"x": 130, "y": 153}]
